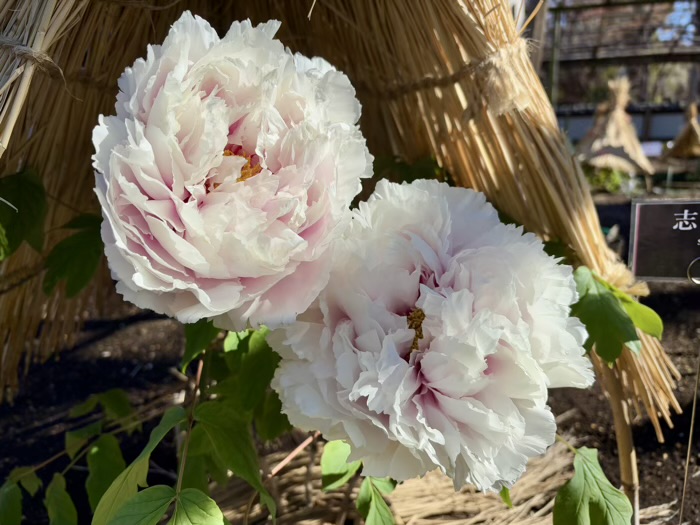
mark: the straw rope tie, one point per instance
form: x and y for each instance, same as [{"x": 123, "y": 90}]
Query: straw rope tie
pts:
[
  {"x": 495, "y": 71},
  {"x": 24, "y": 52}
]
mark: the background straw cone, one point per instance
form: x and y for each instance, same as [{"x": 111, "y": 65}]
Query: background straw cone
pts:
[
  {"x": 687, "y": 144},
  {"x": 612, "y": 141}
]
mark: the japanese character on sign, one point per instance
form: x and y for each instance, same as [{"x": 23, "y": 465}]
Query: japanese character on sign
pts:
[{"x": 685, "y": 221}]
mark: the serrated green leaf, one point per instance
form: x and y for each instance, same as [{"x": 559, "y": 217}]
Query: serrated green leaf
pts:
[
  {"x": 335, "y": 469},
  {"x": 588, "y": 498},
  {"x": 26, "y": 477},
  {"x": 59, "y": 503},
  {"x": 74, "y": 260},
  {"x": 105, "y": 462},
  {"x": 24, "y": 221},
  {"x": 10, "y": 504},
  {"x": 198, "y": 336},
  {"x": 193, "y": 507},
  {"x": 609, "y": 326},
  {"x": 220, "y": 422},
  {"x": 77, "y": 439},
  {"x": 505, "y": 497},
  {"x": 270, "y": 421},
  {"x": 146, "y": 508},
  {"x": 85, "y": 221},
  {"x": 126, "y": 485}
]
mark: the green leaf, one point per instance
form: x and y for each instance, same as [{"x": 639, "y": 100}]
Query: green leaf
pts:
[
  {"x": 26, "y": 477},
  {"x": 252, "y": 369},
  {"x": 588, "y": 498},
  {"x": 198, "y": 336},
  {"x": 364, "y": 497},
  {"x": 117, "y": 407},
  {"x": 233, "y": 340},
  {"x": 194, "y": 475},
  {"x": 643, "y": 317},
  {"x": 84, "y": 408},
  {"x": 105, "y": 462},
  {"x": 125, "y": 486},
  {"x": 371, "y": 504},
  {"x": 146, "y": 508},
  {"x": 385, "y": 485},
  {"x": 74, "y": 260},
  {"x": 270, "y": 422},
  {"x": 77, "y": 439},
  {"x": 24, "y": 221},
  {"x": 335, "y": 469},
  {"x": 505, "y": 496},
  {"x": 59, "y": 503},
  {"x": 608, "y": 324},
  {"x": 85, "y": 221},
  {"x": 10, "y": 504},
  {"x": 239, "y": 455},
  {"x": 193, "y": 507}
]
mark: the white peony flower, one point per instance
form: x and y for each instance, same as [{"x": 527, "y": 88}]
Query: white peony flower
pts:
[
  {"x": 226, "y": 175},
  {"x": 435, "y": 340}
]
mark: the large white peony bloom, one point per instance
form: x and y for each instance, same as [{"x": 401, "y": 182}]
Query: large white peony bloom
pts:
[
  {"x": 226, "y": 175},
  {"x": 435, "y": 340}
]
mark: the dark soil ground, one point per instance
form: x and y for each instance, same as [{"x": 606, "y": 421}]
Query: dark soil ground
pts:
[{"x": 138, "y": 352}]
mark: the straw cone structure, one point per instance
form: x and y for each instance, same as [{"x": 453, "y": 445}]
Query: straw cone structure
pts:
[
  {"x": 687, "y": 144},
  {"x": 612, "y": 141}
]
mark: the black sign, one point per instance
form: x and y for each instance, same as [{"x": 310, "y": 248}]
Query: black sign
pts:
[{"x": 665, "y": 239}]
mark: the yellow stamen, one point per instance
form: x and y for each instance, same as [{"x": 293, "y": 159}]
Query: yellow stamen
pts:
[{"x": 415, "y": 323}]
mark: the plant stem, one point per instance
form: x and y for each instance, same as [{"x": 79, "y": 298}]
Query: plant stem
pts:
[
  {"x": 190, "y": 424},
  {"x": 569, "y": 445}
]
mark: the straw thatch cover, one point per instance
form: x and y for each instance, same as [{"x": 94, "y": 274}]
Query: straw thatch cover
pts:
[
  {"x": 612, "y": 141},
  {"x": 687, "y": 144},
  {"x": 443, "y": 78}
]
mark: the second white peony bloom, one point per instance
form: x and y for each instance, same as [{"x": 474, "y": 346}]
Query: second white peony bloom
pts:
[
  {"x": 226, "y": 175},
  {"x": 435, "y": 341}
]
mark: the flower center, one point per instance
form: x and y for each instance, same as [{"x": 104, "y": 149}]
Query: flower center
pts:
[
  {"x": 415, "y": 323},
  {"x": 252, "y": 166}
]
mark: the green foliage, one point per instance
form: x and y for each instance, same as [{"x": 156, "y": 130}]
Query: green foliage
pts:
[
  {"x": 198, "y": 336},
  {"x": 608, "y": 324},
  {"x": 76, "y": 258},
  {"x": 77, "y": 439},
  {"x": 105, "y": 463},
  {"x": 26, "y": 477},
  {"x": 219, "y": 421},
  {"x": 270, "y": 422},
  {"x": 146, "y": 508},
  {"x": 505, "y": 496},
  {"x": 370, "y": 501},
  {"x": 611, "y": 316},
  {"x": 233, "y": 340},
  {"x": 605, "y": 179},
  {"x": 335, "y": 469},
  {"x": 59, "y": 503},
  {"x": 193, "y": 507},
  {"x": 126, "y": 485},
  {"x": 10, "y": 503},
  {"x": 22, "y": 213},
  {"x": 116, "y": 407},
  {"x": 589, "y": 498},
  {"x": 398, "y": 170}
]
